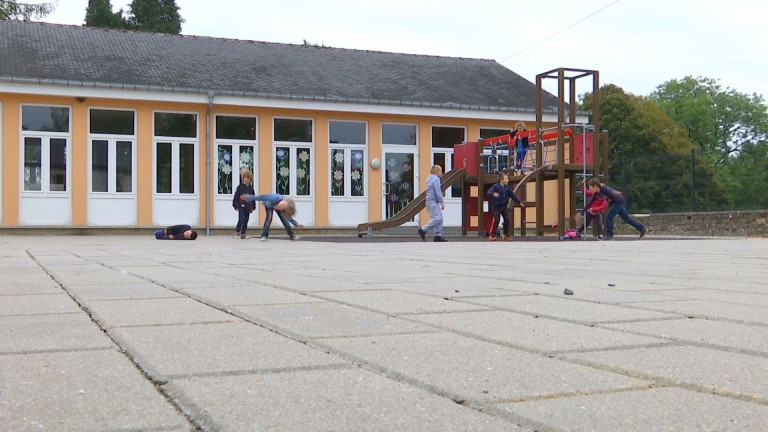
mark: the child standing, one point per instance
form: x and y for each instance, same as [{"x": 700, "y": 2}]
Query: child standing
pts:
[
  {"x": 501, "y": 193},
  {"x": 244, "y": 208},
  {"x": 521, "y": 148},
  {"x": 285, "y": 209},
  {"x": 596, "y": 205},
  {"x": 435, "y": 205},
  {"x": 618, "y": 207}
]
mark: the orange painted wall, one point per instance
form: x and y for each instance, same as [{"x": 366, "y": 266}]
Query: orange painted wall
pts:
[{"x": 145, "y": 187}]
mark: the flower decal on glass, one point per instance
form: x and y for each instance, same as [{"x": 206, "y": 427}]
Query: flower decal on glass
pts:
[
  {"x": 303, "y": 171},
  {"x": 282, "y": 167},
  {"x": 357, "y": 180},
  {"x": 337, "y": 172},
  {"x": 225, "y": 170}
]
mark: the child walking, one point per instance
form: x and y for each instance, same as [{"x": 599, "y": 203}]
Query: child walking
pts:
[
  {"x": 285, "y": 209},
  {"x": 618, "y": 207},
  {"x": 435, "y": 205},
  {"x": 500, "y": 194},
  {"x": 243, "y": 208}
]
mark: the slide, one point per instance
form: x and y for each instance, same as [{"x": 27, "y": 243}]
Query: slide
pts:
[{"x": 413, "y": 207}]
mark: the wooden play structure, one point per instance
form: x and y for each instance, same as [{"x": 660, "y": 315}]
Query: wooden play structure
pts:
[{"x": 560, "y": 156}]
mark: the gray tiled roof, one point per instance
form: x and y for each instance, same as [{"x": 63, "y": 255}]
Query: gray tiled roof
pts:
[{"x": 96, "y": 56}]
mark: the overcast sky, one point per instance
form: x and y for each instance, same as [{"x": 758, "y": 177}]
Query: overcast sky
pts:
[{"x": 635, "y": 44}]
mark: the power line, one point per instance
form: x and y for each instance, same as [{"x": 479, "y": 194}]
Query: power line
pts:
[{"x": 560, "y": 31}]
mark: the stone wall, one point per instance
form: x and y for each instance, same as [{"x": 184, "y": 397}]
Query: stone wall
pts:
[{"x": 728, "y": 223}]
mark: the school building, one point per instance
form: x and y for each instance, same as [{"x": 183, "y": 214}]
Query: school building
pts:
[{"x": 108, "y": 128}]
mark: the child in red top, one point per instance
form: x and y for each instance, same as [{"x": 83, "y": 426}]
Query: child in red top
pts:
[{"x": 592, "y": 212}]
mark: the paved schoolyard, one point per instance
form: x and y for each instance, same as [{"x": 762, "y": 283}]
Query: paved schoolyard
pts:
[{"x": 119, "y": 333}]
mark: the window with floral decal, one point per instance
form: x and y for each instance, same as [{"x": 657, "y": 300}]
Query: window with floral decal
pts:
[
  {"x": 347, "y": 150},
  {"x": 236, "y": 149},
  {"x": 293, "y": 156}
]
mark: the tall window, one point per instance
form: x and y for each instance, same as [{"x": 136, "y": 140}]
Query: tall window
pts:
[
  {"x": 45, "y": 139},
  {"x": 293, "y": 144},
  {"x": 112, "y": 138},
  {"x": 347, "y": 150},
  {"x": 175, "y": 153},
  {"x": 236, "y": 150},
  {"x": 443, "y": 140}
]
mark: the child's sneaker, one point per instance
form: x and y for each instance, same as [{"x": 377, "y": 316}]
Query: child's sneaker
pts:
[
  {"x": 263, "y": 239},
  {"x": 643, "y": 232},
  {"x": 507, "y": 238},
  {"x": 295, "y": 237},
  {"x": 600, "y": 237},
  {"x": 492, "y": 237},
  {"x": 244, "y": 237},
  {"x": 236, "y": 236}
]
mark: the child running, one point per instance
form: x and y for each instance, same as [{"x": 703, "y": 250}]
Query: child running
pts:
[
  {"x": 618, "y": 207},
  {"x": 596, "y": 204}
]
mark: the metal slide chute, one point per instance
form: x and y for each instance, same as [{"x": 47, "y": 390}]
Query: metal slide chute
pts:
[{"x": 413, "y": 207}]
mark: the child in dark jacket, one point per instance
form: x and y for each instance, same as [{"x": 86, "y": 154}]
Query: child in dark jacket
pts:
[
  {"x": 618, "y": 207},
  {"x": 596, "y": 204},
  {"x": 500, "y": 194},
  {"x": 176, "y": 232},
  {"x": 244, "y": 208}
]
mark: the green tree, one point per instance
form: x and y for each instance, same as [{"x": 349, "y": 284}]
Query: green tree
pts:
[
  {"x": 652, "y": 155},
  {"x": 11, "y": 9},
  {"x": 159, "y": 16},
  {"x": 719, "y": 121},
  {"x": 99, "y": 14}
]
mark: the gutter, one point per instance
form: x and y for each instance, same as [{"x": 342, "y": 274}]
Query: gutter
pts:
[{"x": 211, "y": 94}]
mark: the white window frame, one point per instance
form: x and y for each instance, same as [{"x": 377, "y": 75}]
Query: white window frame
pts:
[
  {"x": 448, "y": 152},
  {"x": 236, "y": 144},
  {"x": 175, "y": 144},
  {"x": 45, "y": 155},
  {"x": 112, "y": 160},
  {"x": 348, "y": 164},
  {"x": 293, "y": 146}
]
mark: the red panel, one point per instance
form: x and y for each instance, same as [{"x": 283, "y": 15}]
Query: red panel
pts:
[
  {"x": 578, "y": 149},
  {"x": 465, "y": 155}
]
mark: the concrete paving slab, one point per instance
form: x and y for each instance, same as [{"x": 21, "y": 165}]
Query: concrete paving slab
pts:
[
  {"x": 393, "y": 303},
  {"x": 91, "y": 274},
  {"x": 134, "y": 291},
  {"x": 750, "y": 338},
  {"x": 38, "y": 304},
  {"x": 529, "y": 333},
  {"x": 160, "y": 311},
  {"x": 81, "y": 391},
  {"x": 334, "y": 400},
  {"x": 174, "y": 351},
  {"x": 31, "y": 283},
  {"x": 313, "y": 320},
  {"x": 711, "y": 309},
  {"x": 569, "y": 309},
  {"x": 455, "y": 286},
  {"x": 658, "y": 410},
  {"x": 252, "y": 294},
  {"x": 476, "y": 371},
  {"x": 701, "y": 368},
  {"x": 179, "y": 278},
  {"x": 732, "y": 295},
  {"x": 30, "y": 333}
]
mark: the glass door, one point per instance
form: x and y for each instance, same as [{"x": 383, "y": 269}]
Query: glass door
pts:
[{"x": 400, "y": 181}]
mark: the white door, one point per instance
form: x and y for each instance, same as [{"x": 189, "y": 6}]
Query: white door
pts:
[
  {"x": 401, "y": 180},
  {"x": 232, "y": 157},
  {"x": 348, "y": 203},
  {"x": 112, "y": 182},
  {"x": 294, "y": 177},
  {"x": 176, "y": 179},
  {"x": 452, "y": 195},
  {"x": 46, "y": 183}
]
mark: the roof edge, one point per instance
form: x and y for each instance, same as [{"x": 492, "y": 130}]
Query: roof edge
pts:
[{"x": 291, "y": 97}]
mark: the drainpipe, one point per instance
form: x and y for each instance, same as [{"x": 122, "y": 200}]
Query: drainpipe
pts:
[{"x": 211, "y": 93}]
